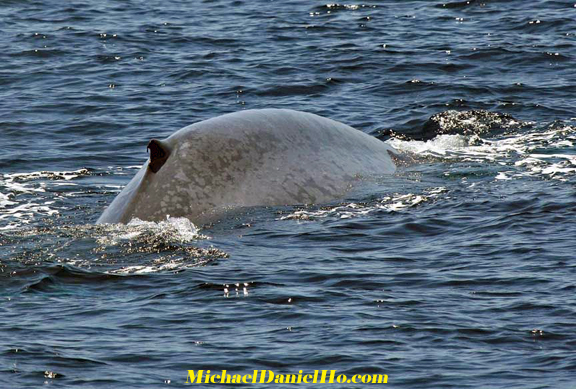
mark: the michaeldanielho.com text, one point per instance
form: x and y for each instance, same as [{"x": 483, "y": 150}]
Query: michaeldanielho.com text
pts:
[{"x": 268, "y": 377}]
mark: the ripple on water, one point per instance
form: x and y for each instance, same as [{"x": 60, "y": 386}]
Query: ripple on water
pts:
[{"x": 455, "y": 272}]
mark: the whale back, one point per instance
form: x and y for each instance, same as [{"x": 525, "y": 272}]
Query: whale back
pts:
[{"x": 250, "y": 158}]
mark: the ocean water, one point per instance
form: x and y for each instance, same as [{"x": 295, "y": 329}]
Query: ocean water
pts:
[{"x": 457, "y": 272}]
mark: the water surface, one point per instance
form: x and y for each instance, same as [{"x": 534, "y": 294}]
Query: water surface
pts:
[{"x": 457, "y": 272}]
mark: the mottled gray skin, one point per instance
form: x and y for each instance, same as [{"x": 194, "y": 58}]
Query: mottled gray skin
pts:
[{"x": 251, "y": 158}]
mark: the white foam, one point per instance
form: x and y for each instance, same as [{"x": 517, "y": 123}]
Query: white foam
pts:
[
  {"x": 17, "y": 208},
  {"x": 522, "y": 151},
  {"x": 66, "y": 175},
  {"x": 442, "y": 145},
  {"x": 183, "y": 229},
  {"x": 392, "y": 203},
  {"x": 5, "y": 200},
  {"x": 162, "y": 265},
  {"x": 179, "y": 230}
]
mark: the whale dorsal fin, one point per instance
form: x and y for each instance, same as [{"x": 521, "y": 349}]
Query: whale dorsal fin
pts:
[{"x": 159, "y": 154}]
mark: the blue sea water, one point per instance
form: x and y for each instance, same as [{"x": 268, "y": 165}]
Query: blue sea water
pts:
[{"x": 457, "y": 272}]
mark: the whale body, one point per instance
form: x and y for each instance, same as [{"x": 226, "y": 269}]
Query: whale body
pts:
[{"x": 249, "y": 158}]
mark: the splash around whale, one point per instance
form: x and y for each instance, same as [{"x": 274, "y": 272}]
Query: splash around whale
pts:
[{"x": 249, "y": 158}]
